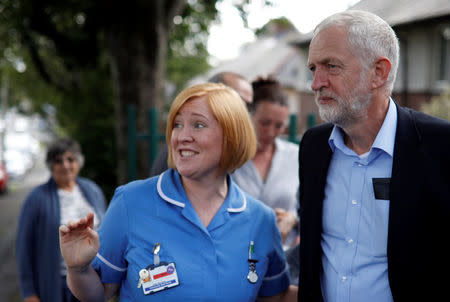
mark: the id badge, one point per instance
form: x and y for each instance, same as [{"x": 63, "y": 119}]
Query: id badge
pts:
[{"x": 160, "y": 277}]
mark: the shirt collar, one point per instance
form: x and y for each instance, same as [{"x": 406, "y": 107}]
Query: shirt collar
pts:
[
  {"x": 170, "y": 189},
  {"x": 336, "y": 139},
  {"x": 384, "y": 140},
  {"x": 278, "y": 144}
]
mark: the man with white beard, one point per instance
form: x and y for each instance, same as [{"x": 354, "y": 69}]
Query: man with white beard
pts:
[{"x": 375, "y": 180}]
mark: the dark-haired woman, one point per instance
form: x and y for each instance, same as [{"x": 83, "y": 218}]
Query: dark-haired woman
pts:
[{"x": 272, "y": 174}]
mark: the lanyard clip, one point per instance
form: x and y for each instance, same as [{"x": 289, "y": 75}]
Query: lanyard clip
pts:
[
  {"x": 251, "y": 250},
  {"x": 252, "y": 276},
  {"x": 156, "y": 249}
]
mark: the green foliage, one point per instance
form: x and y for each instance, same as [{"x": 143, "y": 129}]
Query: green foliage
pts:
[
  {"x": 28, "y": 84},
  {"x": 275, "y": 27},
  {"x": 88, "y": 116},
  {"x": 63, "y": 56},
  {"x": 57, "y": 52},
  {"x": 84, "y": 112},
  {"x": 73, "y": 77},
  {"x": 242, "y": 7},
  {"x": 187, "y": 53},
  {"x": 439, "y": 106}
]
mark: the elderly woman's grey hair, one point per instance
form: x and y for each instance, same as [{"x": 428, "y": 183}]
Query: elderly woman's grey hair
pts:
[{"x": 61, "y": 146}]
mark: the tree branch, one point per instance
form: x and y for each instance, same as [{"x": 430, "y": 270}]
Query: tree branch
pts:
[
  {"x": 171, "y": 9},
  {"x": 39, "y": 63}
]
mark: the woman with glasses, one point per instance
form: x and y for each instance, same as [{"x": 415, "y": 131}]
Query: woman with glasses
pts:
[{"x": 64, "y": 198}]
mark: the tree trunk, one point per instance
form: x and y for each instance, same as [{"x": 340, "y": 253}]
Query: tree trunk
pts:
[{"x": 138, "y": 54}]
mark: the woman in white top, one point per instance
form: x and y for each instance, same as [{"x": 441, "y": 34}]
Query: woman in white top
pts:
[
  {"x": 64, "y": 197},
  {"x": 272, "y": 175}
]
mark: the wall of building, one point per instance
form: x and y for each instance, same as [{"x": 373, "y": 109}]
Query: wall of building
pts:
[{"x": 417, "y": 71}]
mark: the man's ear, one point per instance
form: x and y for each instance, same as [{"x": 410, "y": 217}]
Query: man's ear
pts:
[{"x": 382, "y": 68}]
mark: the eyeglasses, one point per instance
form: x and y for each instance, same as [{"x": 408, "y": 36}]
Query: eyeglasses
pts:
[{"x": 60, "y": 160}]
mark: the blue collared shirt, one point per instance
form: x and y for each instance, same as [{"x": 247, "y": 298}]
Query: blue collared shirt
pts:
[{"x": 355, "y": 223}]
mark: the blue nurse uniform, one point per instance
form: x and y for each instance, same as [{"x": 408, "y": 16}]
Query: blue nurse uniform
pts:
[{"x": 211, "y": 262}]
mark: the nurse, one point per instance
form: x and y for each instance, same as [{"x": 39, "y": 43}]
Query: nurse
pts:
[{"x": 189, "y": 234}]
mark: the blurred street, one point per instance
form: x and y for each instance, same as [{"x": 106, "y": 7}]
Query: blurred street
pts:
[{"x": 10, "y": 204}]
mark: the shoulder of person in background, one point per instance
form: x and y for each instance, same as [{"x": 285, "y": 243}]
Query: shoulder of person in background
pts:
[
  {"x": 97, "y": 198},
  {"x": 160, "y": 163}
]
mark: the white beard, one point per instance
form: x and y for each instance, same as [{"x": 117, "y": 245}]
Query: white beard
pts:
[{"x": 348, "y": 109}]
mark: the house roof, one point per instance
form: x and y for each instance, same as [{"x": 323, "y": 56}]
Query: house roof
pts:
[
  {"x": 395, "y": 12},
  {"x": 276, "y": 55},
  {"x": 400, "y": 12},
  {"x": 266, "y": 56}
]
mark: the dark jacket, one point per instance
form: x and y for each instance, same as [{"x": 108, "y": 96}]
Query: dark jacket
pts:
[
  {"x": 37, "y": 246},
  {"x": 419, "y": 208}
]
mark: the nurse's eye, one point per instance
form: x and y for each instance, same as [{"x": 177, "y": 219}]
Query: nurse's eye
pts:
[
  {"x": 199, "y": 125},
  {"x": 177, "y": 125}
]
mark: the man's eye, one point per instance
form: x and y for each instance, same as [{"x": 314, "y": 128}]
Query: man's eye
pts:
[
  {"x": 312, "y": 68},
  {"x": 332, "y": 66}
]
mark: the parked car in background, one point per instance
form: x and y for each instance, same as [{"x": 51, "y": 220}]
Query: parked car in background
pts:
[{"x": 4, "y": 177}]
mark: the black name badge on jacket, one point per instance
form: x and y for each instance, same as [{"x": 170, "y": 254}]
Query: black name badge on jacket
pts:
[{"x": 381, "y": 187}]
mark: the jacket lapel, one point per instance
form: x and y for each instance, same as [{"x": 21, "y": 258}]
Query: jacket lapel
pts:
[
  {"x": 314, "y": 162},
  {"x": 404, "y": 187},
  {"x": 315, "y": 156}
]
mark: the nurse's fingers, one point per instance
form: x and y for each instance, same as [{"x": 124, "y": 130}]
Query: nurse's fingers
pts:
[
  {"x": 63, "y": 230},
  {"x": 88, "y": 220}
]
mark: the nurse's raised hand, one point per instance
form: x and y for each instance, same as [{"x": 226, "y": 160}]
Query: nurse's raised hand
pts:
[{"x": 79, "y": 243}]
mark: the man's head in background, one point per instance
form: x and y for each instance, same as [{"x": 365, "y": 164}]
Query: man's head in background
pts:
[{"x": 237, "y": 82}]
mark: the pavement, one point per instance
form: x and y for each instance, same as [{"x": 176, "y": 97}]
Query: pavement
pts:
[{"x": 10, "y": 205}]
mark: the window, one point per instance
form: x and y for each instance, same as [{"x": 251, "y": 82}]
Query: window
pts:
[{"x": 444, "y": 53}]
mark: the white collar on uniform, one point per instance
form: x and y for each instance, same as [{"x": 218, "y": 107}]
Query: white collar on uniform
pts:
[{"x": 233, "y": 189}]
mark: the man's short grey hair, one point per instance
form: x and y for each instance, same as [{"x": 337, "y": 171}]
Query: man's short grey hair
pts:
[
  {"x": 370, "y": 36},
  {"x": 222, "y": 77}
]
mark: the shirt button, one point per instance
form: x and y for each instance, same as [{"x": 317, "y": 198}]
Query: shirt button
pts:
[
  {"x": 359, "y": 165},
  {"x": 344, "y": 278},
  {"x": 350, "y": 241},
  {"x": 354, "y": 201}
]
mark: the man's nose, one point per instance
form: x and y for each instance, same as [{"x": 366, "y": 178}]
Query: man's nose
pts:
[{"x": 320, "y": 80}]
